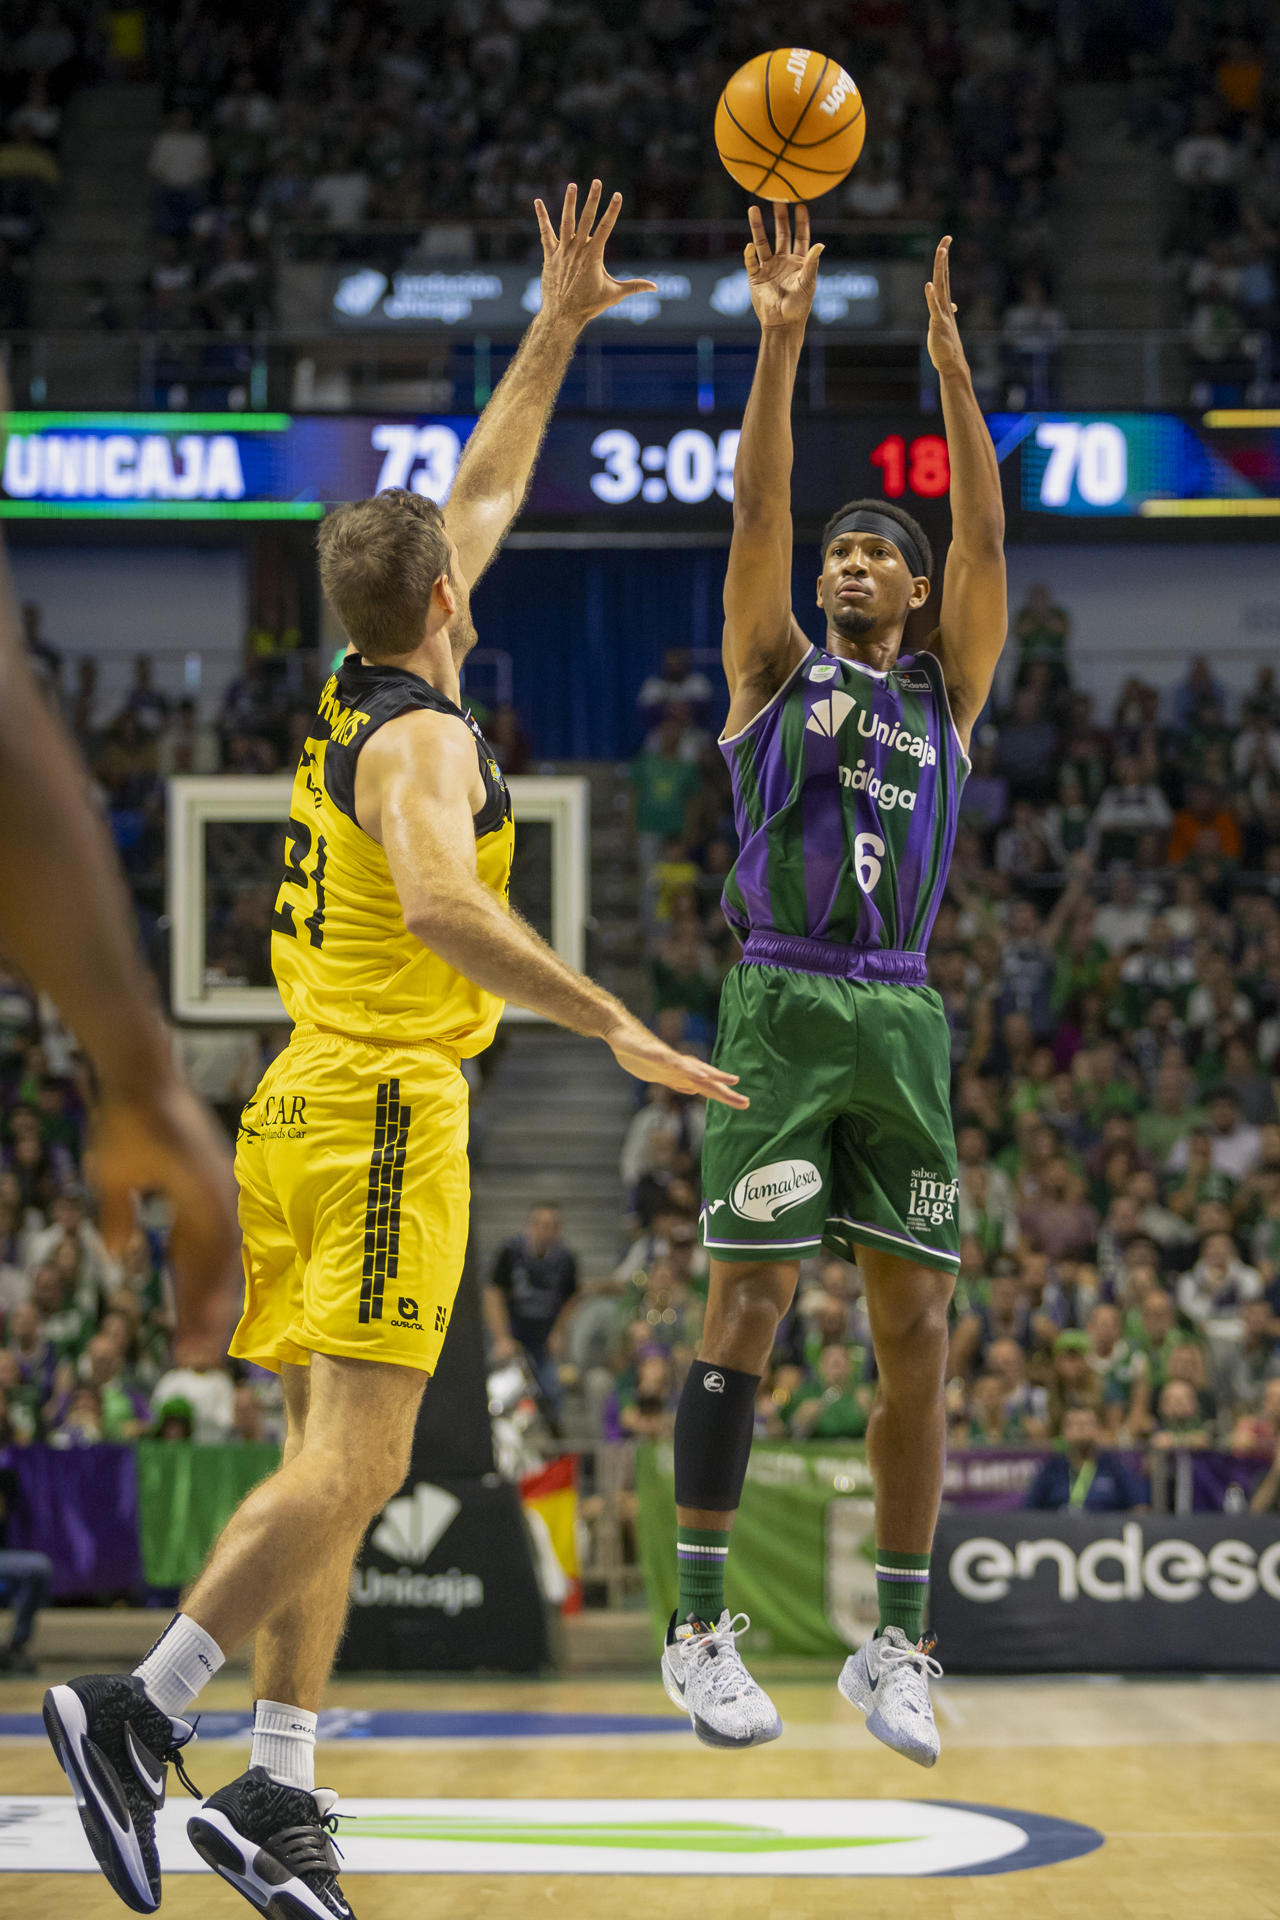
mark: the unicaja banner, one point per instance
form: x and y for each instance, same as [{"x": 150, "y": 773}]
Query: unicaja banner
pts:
[{"x": 1070, "y": 1592}]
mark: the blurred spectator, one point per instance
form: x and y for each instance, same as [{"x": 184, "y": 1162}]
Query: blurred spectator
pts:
[
  {"x": 534, "y": 1277},
  {"x": 25, "y": 1581},
  {"x": 1084, "y": 1475},
  {"x": 986, "y": 791},
  {"x": 646, "y": 1409},
  {"x": 144, "y": 703},
  {"x": 1042, "y": 629},
  {"x": 678, "y": 684},
  {"x": 1234, "y": 1147},
  {"x": 1204, "y": 826},
  {"x": 186, "y": 745},
  {"x": 208, "y": 1394},
  {"x": 1033, "y": 331},
  {"x": 181, "y": 165},
  {"x": 1245, "y": 1365},
  {"x": 664, "y": 784},
  {"x": 1027, "y": 744},
  {"x": 1128, "y": 809},
  {"x": 1213, "y": 1292},
  {"x": 1123, "y": 919},
  {"x": 1179, "y": 1422},
  {"x": 175, "y": 1420},
  {"x": 831, "y": 1406}
]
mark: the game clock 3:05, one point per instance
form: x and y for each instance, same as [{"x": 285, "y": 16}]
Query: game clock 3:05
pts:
[
  {"x": 690, "y": 468},
  {"x": 693, "y": 466}
]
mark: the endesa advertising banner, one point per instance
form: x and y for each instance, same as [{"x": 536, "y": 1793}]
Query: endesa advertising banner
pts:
[{"x": 1074, "y": 1592}]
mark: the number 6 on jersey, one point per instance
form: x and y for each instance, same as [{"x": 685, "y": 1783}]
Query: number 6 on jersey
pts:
[{"x": 868, "y": 852}]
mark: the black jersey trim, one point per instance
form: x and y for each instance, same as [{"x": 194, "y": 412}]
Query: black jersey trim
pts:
[{"x": 384, "y": 693}]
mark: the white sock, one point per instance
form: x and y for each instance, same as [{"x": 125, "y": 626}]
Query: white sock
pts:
[
  {"x": 178, "y": 1665},
  {"x": 284, "y": 1742}
]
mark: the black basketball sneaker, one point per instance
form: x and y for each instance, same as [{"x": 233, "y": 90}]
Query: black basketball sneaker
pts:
[
  {"x": 115, "y": 1747},
  {"x": 274, "y": 1845}
]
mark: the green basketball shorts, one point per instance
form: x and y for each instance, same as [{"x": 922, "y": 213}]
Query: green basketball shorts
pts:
[{"x": 848, "y": 1140}]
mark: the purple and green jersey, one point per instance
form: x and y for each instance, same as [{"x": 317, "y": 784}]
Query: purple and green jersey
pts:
[{"x": 846, "y": 795}]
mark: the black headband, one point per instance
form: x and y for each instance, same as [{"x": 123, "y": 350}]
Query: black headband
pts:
[{"x": 865, "y": 521}]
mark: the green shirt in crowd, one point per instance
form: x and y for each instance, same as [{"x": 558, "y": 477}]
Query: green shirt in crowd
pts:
[{"x": 663, "y": 789}]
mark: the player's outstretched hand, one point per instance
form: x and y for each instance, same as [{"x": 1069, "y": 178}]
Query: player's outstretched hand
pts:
[
  {"x": 166, "y": 1141},
  {"x": 576, "y": 284},
  {"x": 945, "y": 348},
  {"x": 783, "y": 277},
  {"x": 649, "y": 1058}
]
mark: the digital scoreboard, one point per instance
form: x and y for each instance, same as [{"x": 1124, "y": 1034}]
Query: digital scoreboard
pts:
[{"x": 636, "y": 472}]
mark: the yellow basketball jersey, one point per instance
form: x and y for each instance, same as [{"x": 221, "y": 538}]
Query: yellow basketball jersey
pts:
[{"x": 341, "y": 953}]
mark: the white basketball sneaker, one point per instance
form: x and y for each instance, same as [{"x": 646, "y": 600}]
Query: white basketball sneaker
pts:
[
  {"x": 887, "y": 1679},
  {"x": 703, "y": 1674}
]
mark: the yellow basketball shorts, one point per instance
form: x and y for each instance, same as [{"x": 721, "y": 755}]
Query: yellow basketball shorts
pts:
[{"x": 354, "y": 1195}]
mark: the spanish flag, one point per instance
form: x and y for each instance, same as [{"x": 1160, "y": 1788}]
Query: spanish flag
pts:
[{"x": 550, "y": 1500}]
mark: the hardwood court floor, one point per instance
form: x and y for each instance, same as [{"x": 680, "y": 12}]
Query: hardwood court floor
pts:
[{"x": 1181, "y": 1778}]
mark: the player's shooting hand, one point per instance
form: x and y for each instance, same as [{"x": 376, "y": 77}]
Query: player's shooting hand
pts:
[
  {"x": 945, "y": 348},
  {"x": 166, "y": 1141},
  {"x": 649, "y": 1058},
  {"x": 783, "y": 277},
  {"x": 576, "y": 284}
]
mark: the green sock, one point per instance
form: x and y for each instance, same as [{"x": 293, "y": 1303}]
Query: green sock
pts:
[
  {"x": 700, "y": 1555},
  {"x": 902, "y": 1588}
]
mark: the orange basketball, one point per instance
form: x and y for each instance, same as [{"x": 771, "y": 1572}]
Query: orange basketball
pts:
[{"x": 790, "y": 124}]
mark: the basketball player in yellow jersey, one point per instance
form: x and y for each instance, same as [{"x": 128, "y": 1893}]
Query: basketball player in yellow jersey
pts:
[{"x": 394, "y": 948}]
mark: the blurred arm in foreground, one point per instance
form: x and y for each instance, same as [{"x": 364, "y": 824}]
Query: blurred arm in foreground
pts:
[{"x": 67, "y": 923}]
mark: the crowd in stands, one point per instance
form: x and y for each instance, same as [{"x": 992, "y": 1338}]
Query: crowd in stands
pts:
[
  {"x": 1209, "y": 101},
  {"x": 46, "y": 52},
  {"x": 331, "y": 118},
  {"x": 1108, "y": 955},
  {"x": 86, "y": 1336},
  {"x": 325, "y": 119}
]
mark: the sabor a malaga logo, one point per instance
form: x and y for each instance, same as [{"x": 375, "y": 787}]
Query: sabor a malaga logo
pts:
[
  {"x": 768, "y": 1191},
  {"x": 932, "y": 1199},
  {"x": 1121, "y": 1567},
  {"x": 717, "y": 1838}
]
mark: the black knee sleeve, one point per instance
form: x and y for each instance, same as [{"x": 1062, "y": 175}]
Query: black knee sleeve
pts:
[{"x": 714, "y": 1424}]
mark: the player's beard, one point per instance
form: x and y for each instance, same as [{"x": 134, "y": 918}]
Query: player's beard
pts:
[
  {"x": 462, "y": 633},
  {"x": 852, "y": 622}
]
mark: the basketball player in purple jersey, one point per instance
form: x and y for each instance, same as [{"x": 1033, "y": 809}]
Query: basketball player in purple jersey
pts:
[{"x": 847, "y": 760}]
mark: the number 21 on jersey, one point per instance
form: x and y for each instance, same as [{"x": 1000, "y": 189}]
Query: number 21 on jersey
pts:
[{"x": 298, "y": 838}]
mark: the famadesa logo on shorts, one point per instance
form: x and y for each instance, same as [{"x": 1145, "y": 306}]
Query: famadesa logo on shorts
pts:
[
  {"x": 932, "y": 1199},
  {"x": 771, "y": 1190}
]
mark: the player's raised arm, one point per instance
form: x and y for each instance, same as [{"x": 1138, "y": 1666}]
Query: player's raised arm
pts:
[
  {"x": 761, "y": 642},
  {"x": 66, "y": 921},
  {"x": 498, "y": 460},
  {"x": 414, "y": 795},
  {"x": 975, "y": 615}
]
